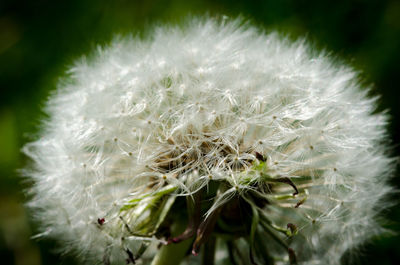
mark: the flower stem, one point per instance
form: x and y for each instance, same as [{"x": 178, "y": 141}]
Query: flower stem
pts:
[
  {"x": 173, "y": 254},
  {"x": 209, "y": 251}
]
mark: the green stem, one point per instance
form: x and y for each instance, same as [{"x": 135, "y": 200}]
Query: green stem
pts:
[
  {"x": 173, "y": 254},
  {"x": 273, "y": 235},
  {"x": 209, "y": 251}
]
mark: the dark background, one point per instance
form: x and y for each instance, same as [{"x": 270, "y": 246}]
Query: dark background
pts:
[{"x": 39, "y": 39}]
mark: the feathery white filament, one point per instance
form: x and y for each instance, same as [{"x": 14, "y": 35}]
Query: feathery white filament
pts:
[{"x": 169, "y": 114}]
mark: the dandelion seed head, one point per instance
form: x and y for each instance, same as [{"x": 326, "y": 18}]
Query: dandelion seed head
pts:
[{"x": 144, "y": 122}]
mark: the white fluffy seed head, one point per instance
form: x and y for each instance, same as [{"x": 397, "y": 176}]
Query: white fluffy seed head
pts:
[{"x": 213, "y": 101}]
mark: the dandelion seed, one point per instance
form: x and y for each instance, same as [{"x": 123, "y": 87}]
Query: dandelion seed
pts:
[{"x": 100, "y": 221}]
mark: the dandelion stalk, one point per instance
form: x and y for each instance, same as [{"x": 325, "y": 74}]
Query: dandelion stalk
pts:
[{"x": 173, "y": 254}]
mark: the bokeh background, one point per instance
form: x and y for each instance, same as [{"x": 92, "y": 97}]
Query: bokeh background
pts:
[{"x": 39, "y": 39}]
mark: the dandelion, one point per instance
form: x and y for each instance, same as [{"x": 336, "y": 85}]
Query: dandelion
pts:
[{"x": 213, "y": 139}]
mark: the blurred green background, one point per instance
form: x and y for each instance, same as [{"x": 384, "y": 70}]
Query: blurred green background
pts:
[{"x": 39, "y": 39}]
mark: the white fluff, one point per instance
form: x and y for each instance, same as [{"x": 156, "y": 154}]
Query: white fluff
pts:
[{"x": 204, "y": 99}]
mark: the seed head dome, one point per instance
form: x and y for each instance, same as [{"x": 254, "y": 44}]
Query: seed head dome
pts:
[{"x": 235, "y": 134}]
